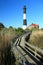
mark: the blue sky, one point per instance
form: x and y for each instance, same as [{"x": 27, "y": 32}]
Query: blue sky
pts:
[{"x": 11, "y": 12}]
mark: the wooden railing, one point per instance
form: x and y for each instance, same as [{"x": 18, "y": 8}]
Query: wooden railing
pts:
[{"x": 37, "y": 52}]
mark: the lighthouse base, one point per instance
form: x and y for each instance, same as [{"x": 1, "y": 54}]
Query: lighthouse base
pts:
[{"x": 24, "y": 27}]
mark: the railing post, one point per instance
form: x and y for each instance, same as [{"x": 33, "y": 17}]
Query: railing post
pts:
[{"x": 35, "y": 51}]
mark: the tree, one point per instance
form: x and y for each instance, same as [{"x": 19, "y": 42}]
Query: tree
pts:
[
  {"x": 11, "y": 27},
  {"x": 1, "y": 26},
  {"x": 20, "y": 31},
  {"x": 41, "y": 28}
]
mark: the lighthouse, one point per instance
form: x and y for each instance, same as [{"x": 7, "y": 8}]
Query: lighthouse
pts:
[{"x": 24, "y": 18}]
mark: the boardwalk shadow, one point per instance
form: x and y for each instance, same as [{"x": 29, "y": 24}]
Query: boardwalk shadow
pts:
[{"x": 31, "y": 56}]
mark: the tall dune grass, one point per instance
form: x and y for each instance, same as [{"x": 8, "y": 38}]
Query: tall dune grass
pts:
[
  {"x": 6, "y": 35},
  {"x": 36, "y": 38}
]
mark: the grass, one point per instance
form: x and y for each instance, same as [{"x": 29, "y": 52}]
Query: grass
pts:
[
  {"x": 6, "y": 36},
  {"x": 36, "y": 38}
]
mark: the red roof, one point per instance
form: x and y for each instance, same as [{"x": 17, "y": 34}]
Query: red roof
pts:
[{"x": 35, "y": 25}]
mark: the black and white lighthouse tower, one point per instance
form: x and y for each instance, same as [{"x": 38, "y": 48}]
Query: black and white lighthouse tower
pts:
[{"x": 24, "y": 18}]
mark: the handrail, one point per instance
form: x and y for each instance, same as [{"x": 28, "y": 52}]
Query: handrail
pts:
[
  {"x": 14, "y": 46},
  {"x": 37, "y": 51}
]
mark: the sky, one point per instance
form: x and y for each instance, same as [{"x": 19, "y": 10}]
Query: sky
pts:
[{"x": 11, "y": 12}]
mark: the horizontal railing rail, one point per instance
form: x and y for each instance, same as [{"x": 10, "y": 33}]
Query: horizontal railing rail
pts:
[{"x": 33, "y": 49}]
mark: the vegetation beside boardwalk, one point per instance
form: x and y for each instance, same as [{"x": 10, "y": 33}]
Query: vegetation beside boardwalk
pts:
[
  {"x": 36, "y": 38},
  {"x": 6, "y": 36}
]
